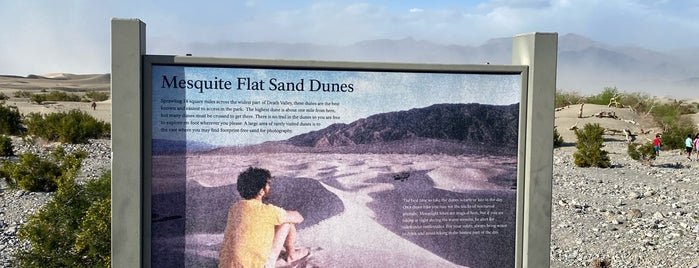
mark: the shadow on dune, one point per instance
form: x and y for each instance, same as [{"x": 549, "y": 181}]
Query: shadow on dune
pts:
[
  {"x": 167, "y": 230},
  {"x": 473, "y": 250},
  {"x": 167, "y": 210},
  {"x": 307, "y": 196},
  {"x": 207, "y": 207},
  {"x": 206, "y": 211}
]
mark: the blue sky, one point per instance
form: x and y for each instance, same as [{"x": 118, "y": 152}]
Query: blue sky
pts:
[{"x": 45, "y": 36}]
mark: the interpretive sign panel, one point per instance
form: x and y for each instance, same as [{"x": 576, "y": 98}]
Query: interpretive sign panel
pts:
[{"x": 389, "y": 165}]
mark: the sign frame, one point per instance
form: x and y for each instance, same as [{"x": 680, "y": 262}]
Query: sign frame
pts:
[{"x": 534, "y": 59}]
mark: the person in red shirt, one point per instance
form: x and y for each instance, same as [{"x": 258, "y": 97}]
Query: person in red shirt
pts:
[{"x": 656, "y": 144}]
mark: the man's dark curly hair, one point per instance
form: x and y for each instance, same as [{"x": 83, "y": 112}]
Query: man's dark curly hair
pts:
[{"x": 251, "y": 181}]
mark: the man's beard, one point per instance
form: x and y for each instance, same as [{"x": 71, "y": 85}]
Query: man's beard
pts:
[{"x": 266, "y": 196}]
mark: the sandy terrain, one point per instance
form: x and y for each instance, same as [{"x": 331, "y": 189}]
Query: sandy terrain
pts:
[
  {"x": 71, "y": 83},
  {"x": 568, "y": 116},
  {"x": 57, "y": 81},
  {"x": 353, "y": 207}
]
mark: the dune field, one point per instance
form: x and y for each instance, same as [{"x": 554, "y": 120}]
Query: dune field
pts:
[
  {"x": 354, "y": 207},
  {"x": 69, "y": 83}
]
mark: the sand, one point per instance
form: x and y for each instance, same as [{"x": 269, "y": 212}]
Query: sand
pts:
[
  {"x": 70, "y": 83},
  {"x": 640, "y": 125},
  {"x": 352, "y": 204}
]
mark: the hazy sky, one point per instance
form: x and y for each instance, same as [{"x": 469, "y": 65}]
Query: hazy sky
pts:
[{"x": 45, "y": 36}]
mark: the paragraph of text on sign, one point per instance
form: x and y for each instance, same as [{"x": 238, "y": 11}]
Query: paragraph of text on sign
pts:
[
  {"x": 452, "y": 216},
  {"x": 243, "y": 116}
]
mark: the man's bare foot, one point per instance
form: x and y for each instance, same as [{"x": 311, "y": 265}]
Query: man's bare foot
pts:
[{"x": 297, "y": 254}]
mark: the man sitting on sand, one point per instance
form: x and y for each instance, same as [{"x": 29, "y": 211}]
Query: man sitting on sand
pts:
[{"x": 256, "y": 232}]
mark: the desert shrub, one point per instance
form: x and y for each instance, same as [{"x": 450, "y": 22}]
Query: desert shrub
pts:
[
  {"x": 10, "y": 120},
  {"x": 665, "y": 115},
  {"x": 669, "y": 115},
  {"x": 687, "y": 108},
  {"x": 674, "y": 137},
  {"x": 74, "y": 126},
  {"x": 3, "y": 96},
  {"x": 97, "y": 95},
  {"x": 557, "y": 139},
  {"x": 590, "y": 143},
  {"x": 71, "y": 230},
  {"x": 632, "y": 150},
  {"x": 6, "y": 148},
  {"x": 604, "y": 97},
  {"x": 676, "y": 127},
  {"x": 641, "y": 103},
  {"x": 33, "y": 173},
  {"x": 38, "y": 98},
  {"x": 54, "y": 96},
  {"x": 23, "y": 94},
  {"x": 39, "y": 125},
  {"x": 62, "y": 96},
  {"x": 95, "y": 231},
  {"x": 567, "y": 98},
  {"x": 644, "y": 153}
]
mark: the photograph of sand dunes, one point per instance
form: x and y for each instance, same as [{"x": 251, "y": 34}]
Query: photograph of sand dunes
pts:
[{"x": 388, "y": 169}]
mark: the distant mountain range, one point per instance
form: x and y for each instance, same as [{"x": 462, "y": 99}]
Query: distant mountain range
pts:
[
  {"x": 163, "y": 146},
  {"x": 475, "y": 124},
  {"x": 584, "y": 65},
  {"x": 438, "y": 129}
]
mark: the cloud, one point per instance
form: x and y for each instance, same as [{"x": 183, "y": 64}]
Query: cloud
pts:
[
  {"x": 536, "y": 4},
  {"x": 50, "y": 36}
]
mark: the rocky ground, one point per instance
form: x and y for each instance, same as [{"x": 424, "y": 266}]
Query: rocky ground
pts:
[
  {"x": 17, "y": 205},
  {"x": 630, "y": 215}
]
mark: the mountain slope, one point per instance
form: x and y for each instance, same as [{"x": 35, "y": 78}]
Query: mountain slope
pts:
[{"x": 478, "y": 124}]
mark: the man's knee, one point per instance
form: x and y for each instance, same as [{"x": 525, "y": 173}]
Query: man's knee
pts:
[
  {"x": 283, "y": 230},
  {"x": 283, "y": 226}
]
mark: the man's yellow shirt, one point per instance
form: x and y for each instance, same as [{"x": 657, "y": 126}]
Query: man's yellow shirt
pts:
[{"x": 247, "y": 240}]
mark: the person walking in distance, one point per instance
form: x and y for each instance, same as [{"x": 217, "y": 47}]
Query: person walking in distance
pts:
[
  {"x": 656, "y": 144},
  {"x": 689, "y": 146}
]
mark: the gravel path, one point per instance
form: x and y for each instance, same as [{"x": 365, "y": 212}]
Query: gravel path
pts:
[{"x": 630, "y": 215}]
